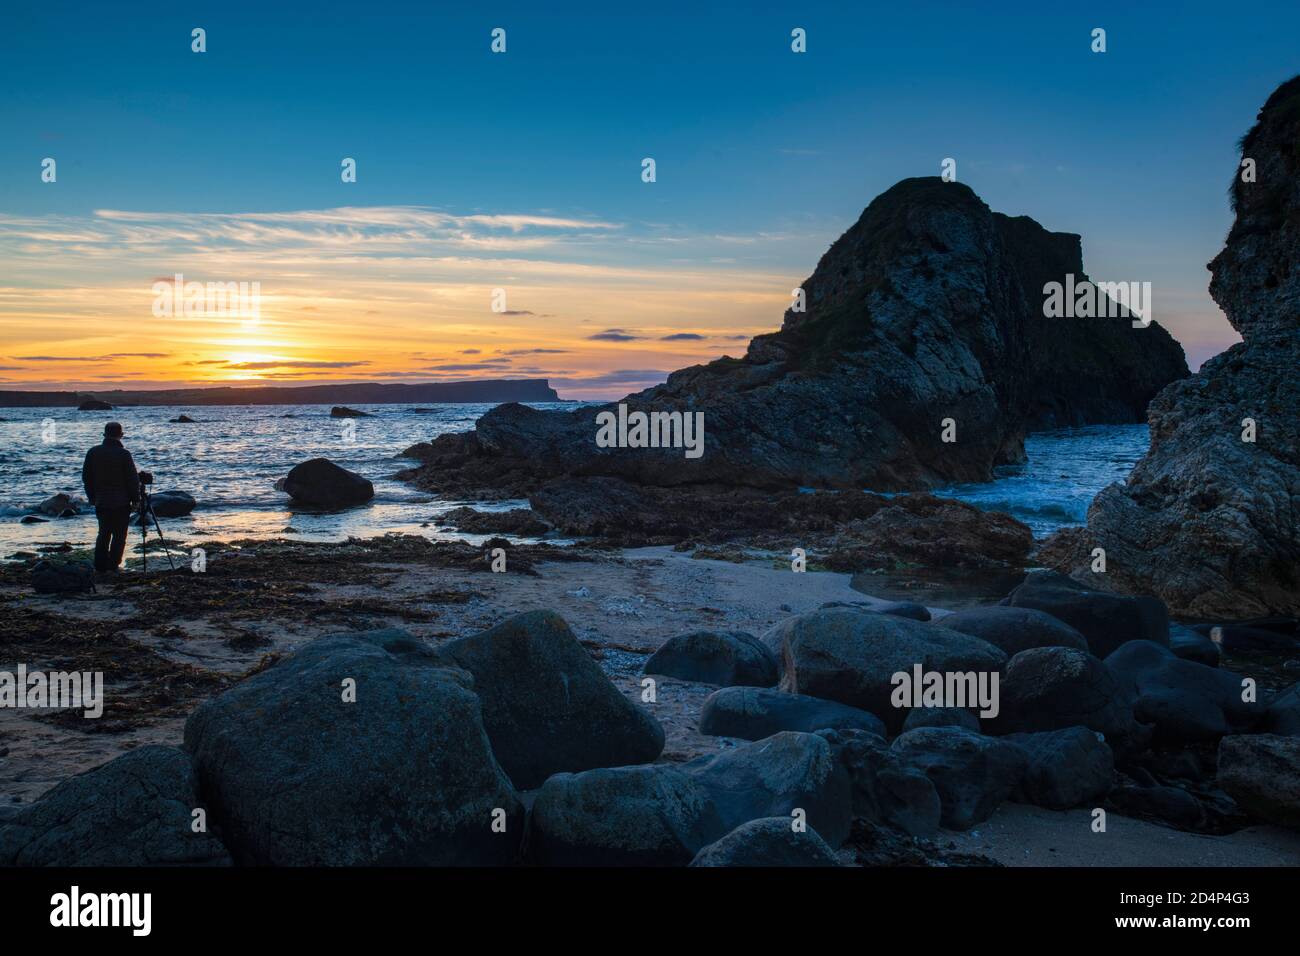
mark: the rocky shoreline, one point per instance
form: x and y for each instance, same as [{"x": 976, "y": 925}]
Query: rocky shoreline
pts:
[{"x": 227, "y": 691}]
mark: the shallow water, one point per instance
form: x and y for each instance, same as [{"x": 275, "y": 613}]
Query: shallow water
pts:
[
  {"x": 231, "y": 457},
  {"x": 229, "y": 460},
  {"x": 1065, "y": 470}
]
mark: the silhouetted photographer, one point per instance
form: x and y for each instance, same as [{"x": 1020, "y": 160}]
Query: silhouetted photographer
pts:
[{"x": 113, "y": 487}]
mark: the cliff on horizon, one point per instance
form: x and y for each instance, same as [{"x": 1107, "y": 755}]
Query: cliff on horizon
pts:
[
  {"x": 929, "y": 308},
  {"x": 366, "y": 393}
]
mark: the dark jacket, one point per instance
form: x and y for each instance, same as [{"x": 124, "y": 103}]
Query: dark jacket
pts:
[{"x": 109, "y": 476}]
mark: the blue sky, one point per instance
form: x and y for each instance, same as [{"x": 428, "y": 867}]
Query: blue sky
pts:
[{"x": 529, "y": 164}]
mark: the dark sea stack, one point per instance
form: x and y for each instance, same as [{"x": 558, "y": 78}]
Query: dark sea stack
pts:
[
  {"x": 342, "y": 411},
  {"x": 929, "y": 307},
  {"x": 1207, "y": 521},
  {"x": 94, "y": 405}
]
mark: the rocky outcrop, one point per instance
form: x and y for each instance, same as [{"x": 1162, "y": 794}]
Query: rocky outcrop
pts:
[
  {"x": 845, "y": 531},
  {"x": 1208, "y": 521},
  {"x": 930, "y": 307}
]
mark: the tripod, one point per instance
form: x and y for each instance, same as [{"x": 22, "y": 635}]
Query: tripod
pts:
[{"x": 146, "y": 513}]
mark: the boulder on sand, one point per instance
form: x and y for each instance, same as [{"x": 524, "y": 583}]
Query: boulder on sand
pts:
[
  {"x": 1105, "y": 620},
  {"x": 547, "y": 706},
  {"x": 727, "y": 658},
  {"x": 621, "y": 816},
  {"x": 752, "y": 713},
  {"x": 769, "y": 842},
  {"x": 1014, "y": 629},
  {"x": 663, "y": 815},
  {"x": 1262, "y": 773},
  {"x": 1050, "y": 688},
  {"x": 1186, "y": 702},
  {"x": 135, "y": 810},
  {"x": 775, "y": 777},
  {"x": 359, "y": 750},
  {"x": 851, "y": 656},
  {"x": 1066, "y": 768},
  {"x": 323, "y": 484},
  {"x": 63, "y": 577},
  {"x": 886, "y": 789},
  {"x": 972, "y": 773}
]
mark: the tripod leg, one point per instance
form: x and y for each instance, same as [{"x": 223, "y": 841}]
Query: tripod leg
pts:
[{"x": 161, "y": 539}]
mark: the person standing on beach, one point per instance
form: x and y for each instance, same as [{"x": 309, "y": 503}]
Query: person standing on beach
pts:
[{"x": 113, "y": 487}]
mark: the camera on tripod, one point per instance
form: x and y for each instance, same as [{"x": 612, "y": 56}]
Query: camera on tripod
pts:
[{"x": 146, "y": 477}]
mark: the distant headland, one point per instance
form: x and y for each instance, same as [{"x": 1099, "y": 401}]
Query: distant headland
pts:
[{"x": 494, "y": 390}]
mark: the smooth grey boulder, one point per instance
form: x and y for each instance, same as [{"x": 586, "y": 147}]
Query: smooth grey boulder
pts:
[
  {"x": 547, "y": 706},
  {"x": 1192, "y": 645},
  {"x": 622, "y": 816},
  {"x": 1104, "y": 619},
  {"x": 972, "y": 773},
  {"x": 1015, "y": 629},
  {"x": 769, "y": 842},
  {"x": 726, "y": 658},
  {"x": 1283, "y": 713},
  {"x": 1067, "y": 768},
  {"x": 135, "y": 810},
  {"x": 1184, "y": 701},
  {"x": 1050, "y": 688},
  {"x": 851, "y": 656},
  {"x": 752, "y": 713},
  {"x": 776, "y": 776},
  {"x": 322, "y": 484},
  {"x": 63, "y": 577},
  {"x": 1262, "y": 773},
  {"x": 297, "y": 775}
]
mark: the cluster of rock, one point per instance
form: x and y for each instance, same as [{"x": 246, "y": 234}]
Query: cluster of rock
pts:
[
  {"x": 512, "y": 745},
  {"x": 1208, "y": 519},
  {"x": 843, "y": 531}
]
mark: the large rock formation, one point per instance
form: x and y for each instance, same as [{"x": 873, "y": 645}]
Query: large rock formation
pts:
[
  {"x": 930, "y": 307},
  {"x": 1209, "y": 521}
]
